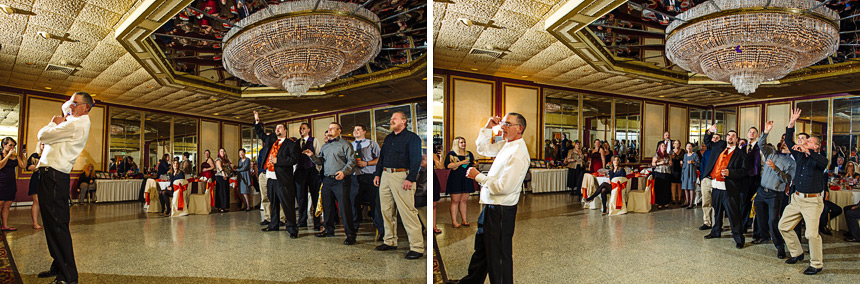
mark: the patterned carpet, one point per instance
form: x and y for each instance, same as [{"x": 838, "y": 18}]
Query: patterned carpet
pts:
[{"x": 8, "y": 271}]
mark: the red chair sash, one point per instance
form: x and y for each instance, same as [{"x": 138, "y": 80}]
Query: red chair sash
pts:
[
  {"x": 146, "y": 195},
  {"x": 210, "y": 186},
  {"x": 180, "y": 189},
  {"x": 618, "y": 187},
  {"x": 650, "y": 185}
]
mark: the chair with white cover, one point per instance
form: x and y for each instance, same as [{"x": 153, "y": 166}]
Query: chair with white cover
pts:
[
  {"x": 589, "y": 185},
  {"x": 153, "y": 203},
  {"x": 200, "y": 203},
  {"x": 620, "y": 189},
  {"x": 179, "y": 203},
  {"x": 639, "y": 201}
]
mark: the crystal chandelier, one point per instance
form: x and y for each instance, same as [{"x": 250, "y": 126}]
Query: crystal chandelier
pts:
[
  {"x": 297, "y": 45},
  {"x": 747, "y": 42}
]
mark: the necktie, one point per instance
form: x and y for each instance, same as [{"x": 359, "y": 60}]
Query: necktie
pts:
[
  {"x": 303, "y": 144},
  {"x": 358, "y": 150}
]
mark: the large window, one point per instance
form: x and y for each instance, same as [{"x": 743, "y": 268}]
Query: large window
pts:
[
  {"x": 438, "y": 113},
  {"x": 561, "y": 117},
  {"x": 846, "y": 128},
  {"x": 813, "y": 120},
  {"x": 10, "y": 109},
  {"x": 628, "y": 121},
  {"x": 156, "y": 138},
  {"x": 700, "y": 120},
  {"x": 185, "y": 139},
  {"x": 726, "y": 119},
  {"x": 596, "y": 119},
  {"x": 349, "y": 120},
  {"x": 383, "y": 120},
  {"x": 125, "y": 134}
]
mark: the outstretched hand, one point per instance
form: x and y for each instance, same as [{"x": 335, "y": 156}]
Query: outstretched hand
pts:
[
  {"x": 795, "y": 114},
  {"x": 712, "y": 128},
  {"x": 493, "y": 121},
  {"x": 256, "y": 116},
  {"x": 768, "y": 126}
]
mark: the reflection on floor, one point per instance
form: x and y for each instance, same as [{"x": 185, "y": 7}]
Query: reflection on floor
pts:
[
  {"x": 117, "y": 243},
  {"x": 556, "y": 241}
]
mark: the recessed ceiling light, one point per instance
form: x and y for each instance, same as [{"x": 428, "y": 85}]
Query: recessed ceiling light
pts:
[
  {"x": 685, "y": 100},
  {"x": 450, "y": 46},
  {"x": 214, "y": 99},
  {"x": 424, "y": 79},
  {"x": 271, "y": 110},
  {"x": 587, "y": 70},
  {"x": 340, "y": 96},
  {"x": 215, "y": 113},
  {"x": 769, "y": 96},
  {"x": 315, "y": 109},
  {"x": 149, "y": 87},
  {"x": 662, "y": 96},
  {"x": 474, "y": 69},
  {"x": 29, "y": 63},
  {"x": 525, "y": 76},
  {"x": 238, "y": 117},
  {"x": 47, "y": 88}
]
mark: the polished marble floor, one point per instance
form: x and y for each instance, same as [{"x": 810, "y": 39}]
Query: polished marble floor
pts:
[
  {"x": 118, "y": 243},
  {"x": 556, "y": 241}
]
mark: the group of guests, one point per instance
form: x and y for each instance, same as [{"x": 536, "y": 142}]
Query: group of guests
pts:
[
  {"x": 789, "y": 184},
  {"x": 675, "y": 173},
  {"x": 387, "y": 176}
]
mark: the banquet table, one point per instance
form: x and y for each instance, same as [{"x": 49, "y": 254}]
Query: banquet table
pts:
[
  {"x": 117, "y": 190},
  {"x": 548, "y": 180},
  {"x": 843, "y": 198}
]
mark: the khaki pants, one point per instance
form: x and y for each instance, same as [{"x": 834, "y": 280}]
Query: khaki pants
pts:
[
  {"x": 264, "y": 200},
  {"x": 808, "y": 208},
  {"x": 707, "y": 207},
  {"x": 391, "y": 194}
]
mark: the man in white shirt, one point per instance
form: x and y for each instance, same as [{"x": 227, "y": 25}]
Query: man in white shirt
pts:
[
  {"x": 64, "y": 139},
  {"x": 500, "y": 193},
  {"x": 668, "y": 142},
  {"x": 307, "y": 177}
]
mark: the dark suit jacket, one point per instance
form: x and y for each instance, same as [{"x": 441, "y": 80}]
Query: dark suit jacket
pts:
[
  {"x": 288, "y": 156},
  {"x": 753, "y": 159},
  {"x": 264, "y": 152},
  {"x": 738, "y": 172},
  {"x": 716, "y": 148}
]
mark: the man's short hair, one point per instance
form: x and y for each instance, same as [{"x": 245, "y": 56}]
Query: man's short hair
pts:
[
  {"x": 730, "y": 131},
  {"x": 520, "y": 119},
  {"x": 804, "y": 134},
  {"x": 87, "y": 98},
  {"x": 186, "y": 154},
  {"x": 756, "y": 129},
  {"x": 817, "y": 140},
  {"x": 363, "y": 128},
  {"x": 402, "y": 115},
  {"x": 305, "y": 124},
  {"x": 242, "y": 150},
  {"x": 338, "y": 125}
]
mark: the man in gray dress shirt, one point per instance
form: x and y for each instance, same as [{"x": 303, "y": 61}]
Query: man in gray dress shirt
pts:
[
  {"x": 337, "y": 159},
  {"x": 775, "y": 177},
  {"x": 367, "y": 155}
]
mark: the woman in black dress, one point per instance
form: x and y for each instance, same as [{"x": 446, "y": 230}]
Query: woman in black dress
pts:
[
  {"x": 606, "y": 188},
  {"x": 662, "y": 176},
  {"x": 8, "y": 187},
  {"x": 677, "y": 161},
  {"x": 33, "y": 166},
  {"x": 459, "y": 186}
]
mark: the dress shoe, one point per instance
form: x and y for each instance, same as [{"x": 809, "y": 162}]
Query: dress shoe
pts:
[
  {"x": 793, "y": 260},
  {"x": 267, "y": 229},
  {"x": 739, "y": 246},
  {"x": 323, "y": 235},
  {"x": 384, "y": 247},
  {"x": 704, "y": 227},
  {"x": 413, "y": 255},
  {"x": 709, "y": 236},
  {"x": 47, "y": 274},
  {"x": 811, "y": 270},
  {"x": 852, "y": 240},
  {"x": 265, "y": 222},
  {"x": 294, "y": 236},
  {"x": 349, "y": 241},
  {"x": 780, "y": 254},
  {"x": 759, "y": 241},
  {"x": 63, "y": 282}
]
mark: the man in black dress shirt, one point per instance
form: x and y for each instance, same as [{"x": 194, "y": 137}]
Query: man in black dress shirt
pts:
[
  {"x": 806, "y": 201},
  {"x": 396, "y": 174}
]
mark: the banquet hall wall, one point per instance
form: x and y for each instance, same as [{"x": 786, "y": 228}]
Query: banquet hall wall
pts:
[
  {"x": 34, "y": 109},
  {"x": 468, "y": 99}
]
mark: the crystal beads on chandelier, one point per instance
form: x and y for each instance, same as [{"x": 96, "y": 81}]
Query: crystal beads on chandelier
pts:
[
  {"x": 297, "y": 45},
  {"x": 747, "y": 42}
]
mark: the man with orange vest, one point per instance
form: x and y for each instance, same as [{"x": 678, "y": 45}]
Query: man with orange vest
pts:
[{"x": 727, "y": 177}]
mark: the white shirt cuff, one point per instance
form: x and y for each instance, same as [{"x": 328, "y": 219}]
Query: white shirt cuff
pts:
[{"x": 481, "y": 178}]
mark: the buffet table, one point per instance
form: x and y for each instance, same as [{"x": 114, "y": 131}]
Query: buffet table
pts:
[
  {"x": 118, "y": 190},
  {"x": 843, "y": 198},
  {"x": 548, "y": 180}
]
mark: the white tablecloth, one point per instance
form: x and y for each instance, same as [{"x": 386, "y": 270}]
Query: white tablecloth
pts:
[
  {"x": 842, "y": 198},
  {"x": 548, "y": 180},
  {"x": 164, "y": 184},
  {"x": 601, "y": 180},
  {"x": 117, "y": 190}
]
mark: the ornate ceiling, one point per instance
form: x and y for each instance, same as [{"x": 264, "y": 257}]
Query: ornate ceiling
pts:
[
  {"x": 550, "y": 42},
  {"x": 104, "y": 67}
]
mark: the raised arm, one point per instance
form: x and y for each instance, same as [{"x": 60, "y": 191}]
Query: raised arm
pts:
[
  {"x": 56, "y": 133},
  {"x": 485, "y": 143}
]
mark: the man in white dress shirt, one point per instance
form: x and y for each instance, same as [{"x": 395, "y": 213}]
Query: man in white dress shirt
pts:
[
  {"x": 64, "y": 139},
  {"x": 500, "y": 193}
]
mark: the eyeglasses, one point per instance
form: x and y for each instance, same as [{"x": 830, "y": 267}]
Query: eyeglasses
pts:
[{"x": 507, "y": 124}]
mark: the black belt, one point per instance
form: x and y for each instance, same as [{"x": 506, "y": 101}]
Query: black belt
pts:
[{"x": 331, "y": 176}]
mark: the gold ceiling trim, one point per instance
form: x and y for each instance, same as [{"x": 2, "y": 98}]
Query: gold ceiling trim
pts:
[
  {"x": 567, "y": 25},
  {"x": 134, "y": 34}
]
